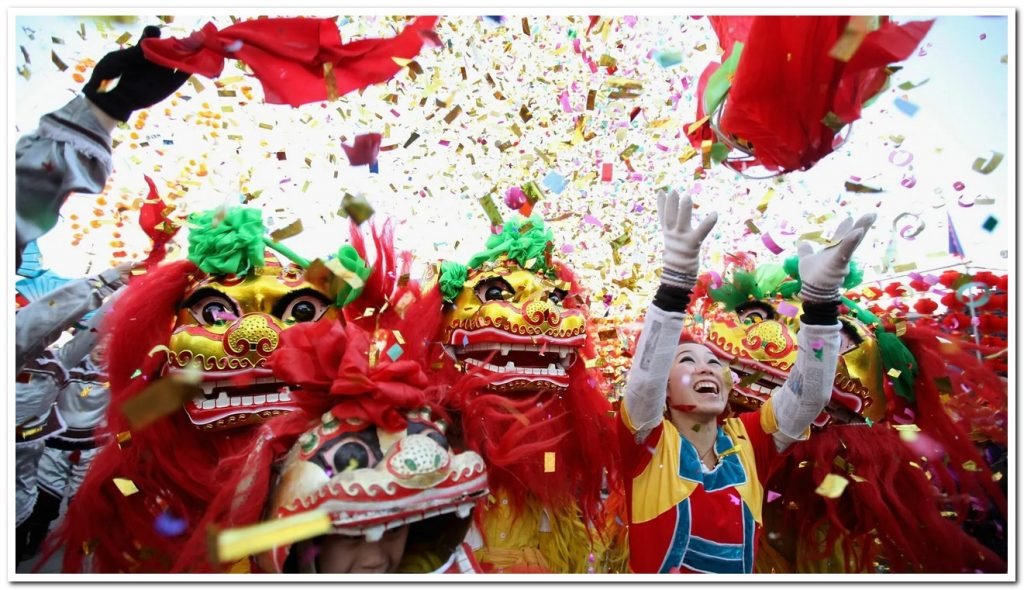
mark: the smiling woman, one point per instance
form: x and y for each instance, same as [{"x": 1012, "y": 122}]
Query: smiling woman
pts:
[{"x": 697, "y": 488}]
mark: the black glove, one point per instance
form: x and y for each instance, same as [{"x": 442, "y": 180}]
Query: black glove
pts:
[{"x": 142, "y": 84}]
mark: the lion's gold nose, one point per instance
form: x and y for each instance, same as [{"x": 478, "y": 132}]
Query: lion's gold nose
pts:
[
  {"x": 541, "y": 311},
  {"x": 255, "y": 333},
  {"x": 769, "y": 336}
]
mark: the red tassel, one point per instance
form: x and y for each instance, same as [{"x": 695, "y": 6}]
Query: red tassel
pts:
[{"x": 155, "y": 223}]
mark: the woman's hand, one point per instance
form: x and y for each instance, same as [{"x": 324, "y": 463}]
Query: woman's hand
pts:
[
  {"x": 682, "y": 242},
  {"x": 822, "y": 273}
]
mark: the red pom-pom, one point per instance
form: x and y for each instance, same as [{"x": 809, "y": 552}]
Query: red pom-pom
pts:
[
  {"x": 925, "y": 306},
  {"x": 919, "y": 285},
  {"x": 949, "y": 277},
  {"x": 895, "y": 290}
]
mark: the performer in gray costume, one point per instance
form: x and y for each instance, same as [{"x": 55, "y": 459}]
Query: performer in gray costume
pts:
[{"x": 42, "y": 379}]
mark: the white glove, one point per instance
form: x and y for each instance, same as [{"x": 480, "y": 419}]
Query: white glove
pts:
[
  {"x": 682, "y": 243},
  {"x": 823, "y": 273}
]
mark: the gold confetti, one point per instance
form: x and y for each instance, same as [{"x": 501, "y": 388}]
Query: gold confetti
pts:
[
  {"x": 158, "y": 400},
  {"x": 833, "y": 122},
  {"x": 292, "y": 229},
  {"x": 986, "y": 166},
  {"x": 490, "y": 209},
  {"x": 124, "y": 38},
  {"x": 85, "y": 391},
  {"x": 763, "y": 205},
  {"x": 971, "y": 466},
  {"x": 549, "y": 462},
  {"x": 125, "y": 486},
  {"x": 57, "y": 61},
  {"x": 855, "y": 187},
  {"x": 332, "y": 278},
  {"x": 832, "y": 486},
  {"x": 697, "y": 124},
  {"x": 894, "y": 373},
  {"x": 124, "y": 439},
  {"x": 452, "y": 114},
  {"x": 848, "y": 44},
  {"x": 705, "y": 152},
  {"x": 356, "y": 207},
  {"x": 688, "y": 153},
  {"x": 234, "y": 544}
]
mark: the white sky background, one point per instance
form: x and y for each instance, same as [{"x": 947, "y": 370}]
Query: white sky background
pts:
[{"x": 963, "y": 115}]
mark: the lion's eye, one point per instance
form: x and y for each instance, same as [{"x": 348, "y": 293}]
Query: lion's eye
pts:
[
  {"x": 755, "y": 312},
  {"x": 495, "y": 289},
  {"x": 557, "y": 296},
  {"x": 849, "y": 339},
  {"x": 358, "y": 450},
  {"x": 304, "y": 309},
  {"x": 213, "y": 310}
]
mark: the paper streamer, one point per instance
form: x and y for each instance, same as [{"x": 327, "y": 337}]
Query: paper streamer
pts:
[
  {"x": 769, "y": 243},
  {"x": 987, "y": 166},
  {"x": 908, "y": 230},
  {"x": 900, "y": 157}
]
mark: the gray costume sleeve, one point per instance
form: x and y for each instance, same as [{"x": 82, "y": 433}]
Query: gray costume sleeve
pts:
[
  {"x": 69, "y": 152},
  {"x": 808, "y": 388},
  {"x": 76, "y": 349},
  {"x": 647, "y": 383},
  {"x": 40, "y": 323}
]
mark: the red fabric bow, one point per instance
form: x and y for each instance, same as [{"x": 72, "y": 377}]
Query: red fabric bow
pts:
[
  {"x": 155, "y": 223},
  {"x": 330, "y": 362},
  {"x": 297, "y": 60}
]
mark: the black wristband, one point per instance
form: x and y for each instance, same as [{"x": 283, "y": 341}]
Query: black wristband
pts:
[
  {"x": 672, "y": 299},
  {"x": 820, "y": 314}
]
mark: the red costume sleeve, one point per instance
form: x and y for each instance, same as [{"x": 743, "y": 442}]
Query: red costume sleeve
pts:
[
  {"x": 297, "y": 60},
  {"x": 636, "y": 455},
  {"x": 765, "y": 454}
]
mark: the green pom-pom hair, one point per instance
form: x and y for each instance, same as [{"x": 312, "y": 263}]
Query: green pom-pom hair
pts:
[
  {"x": 521, "y": 240},
  {"x": 766, "y": 281},
  {"x": 453, "y": 276},
  {"x": 352, "y": 262},
  {"x": 231, "y": 241},
  {"x": 527, "y": 242},
  {"x": 226, "y": 241}
]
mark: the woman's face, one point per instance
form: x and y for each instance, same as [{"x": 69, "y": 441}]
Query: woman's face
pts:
[
  {"x": 340, "y": 554},
  {"x": 698, "y": 383}
]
